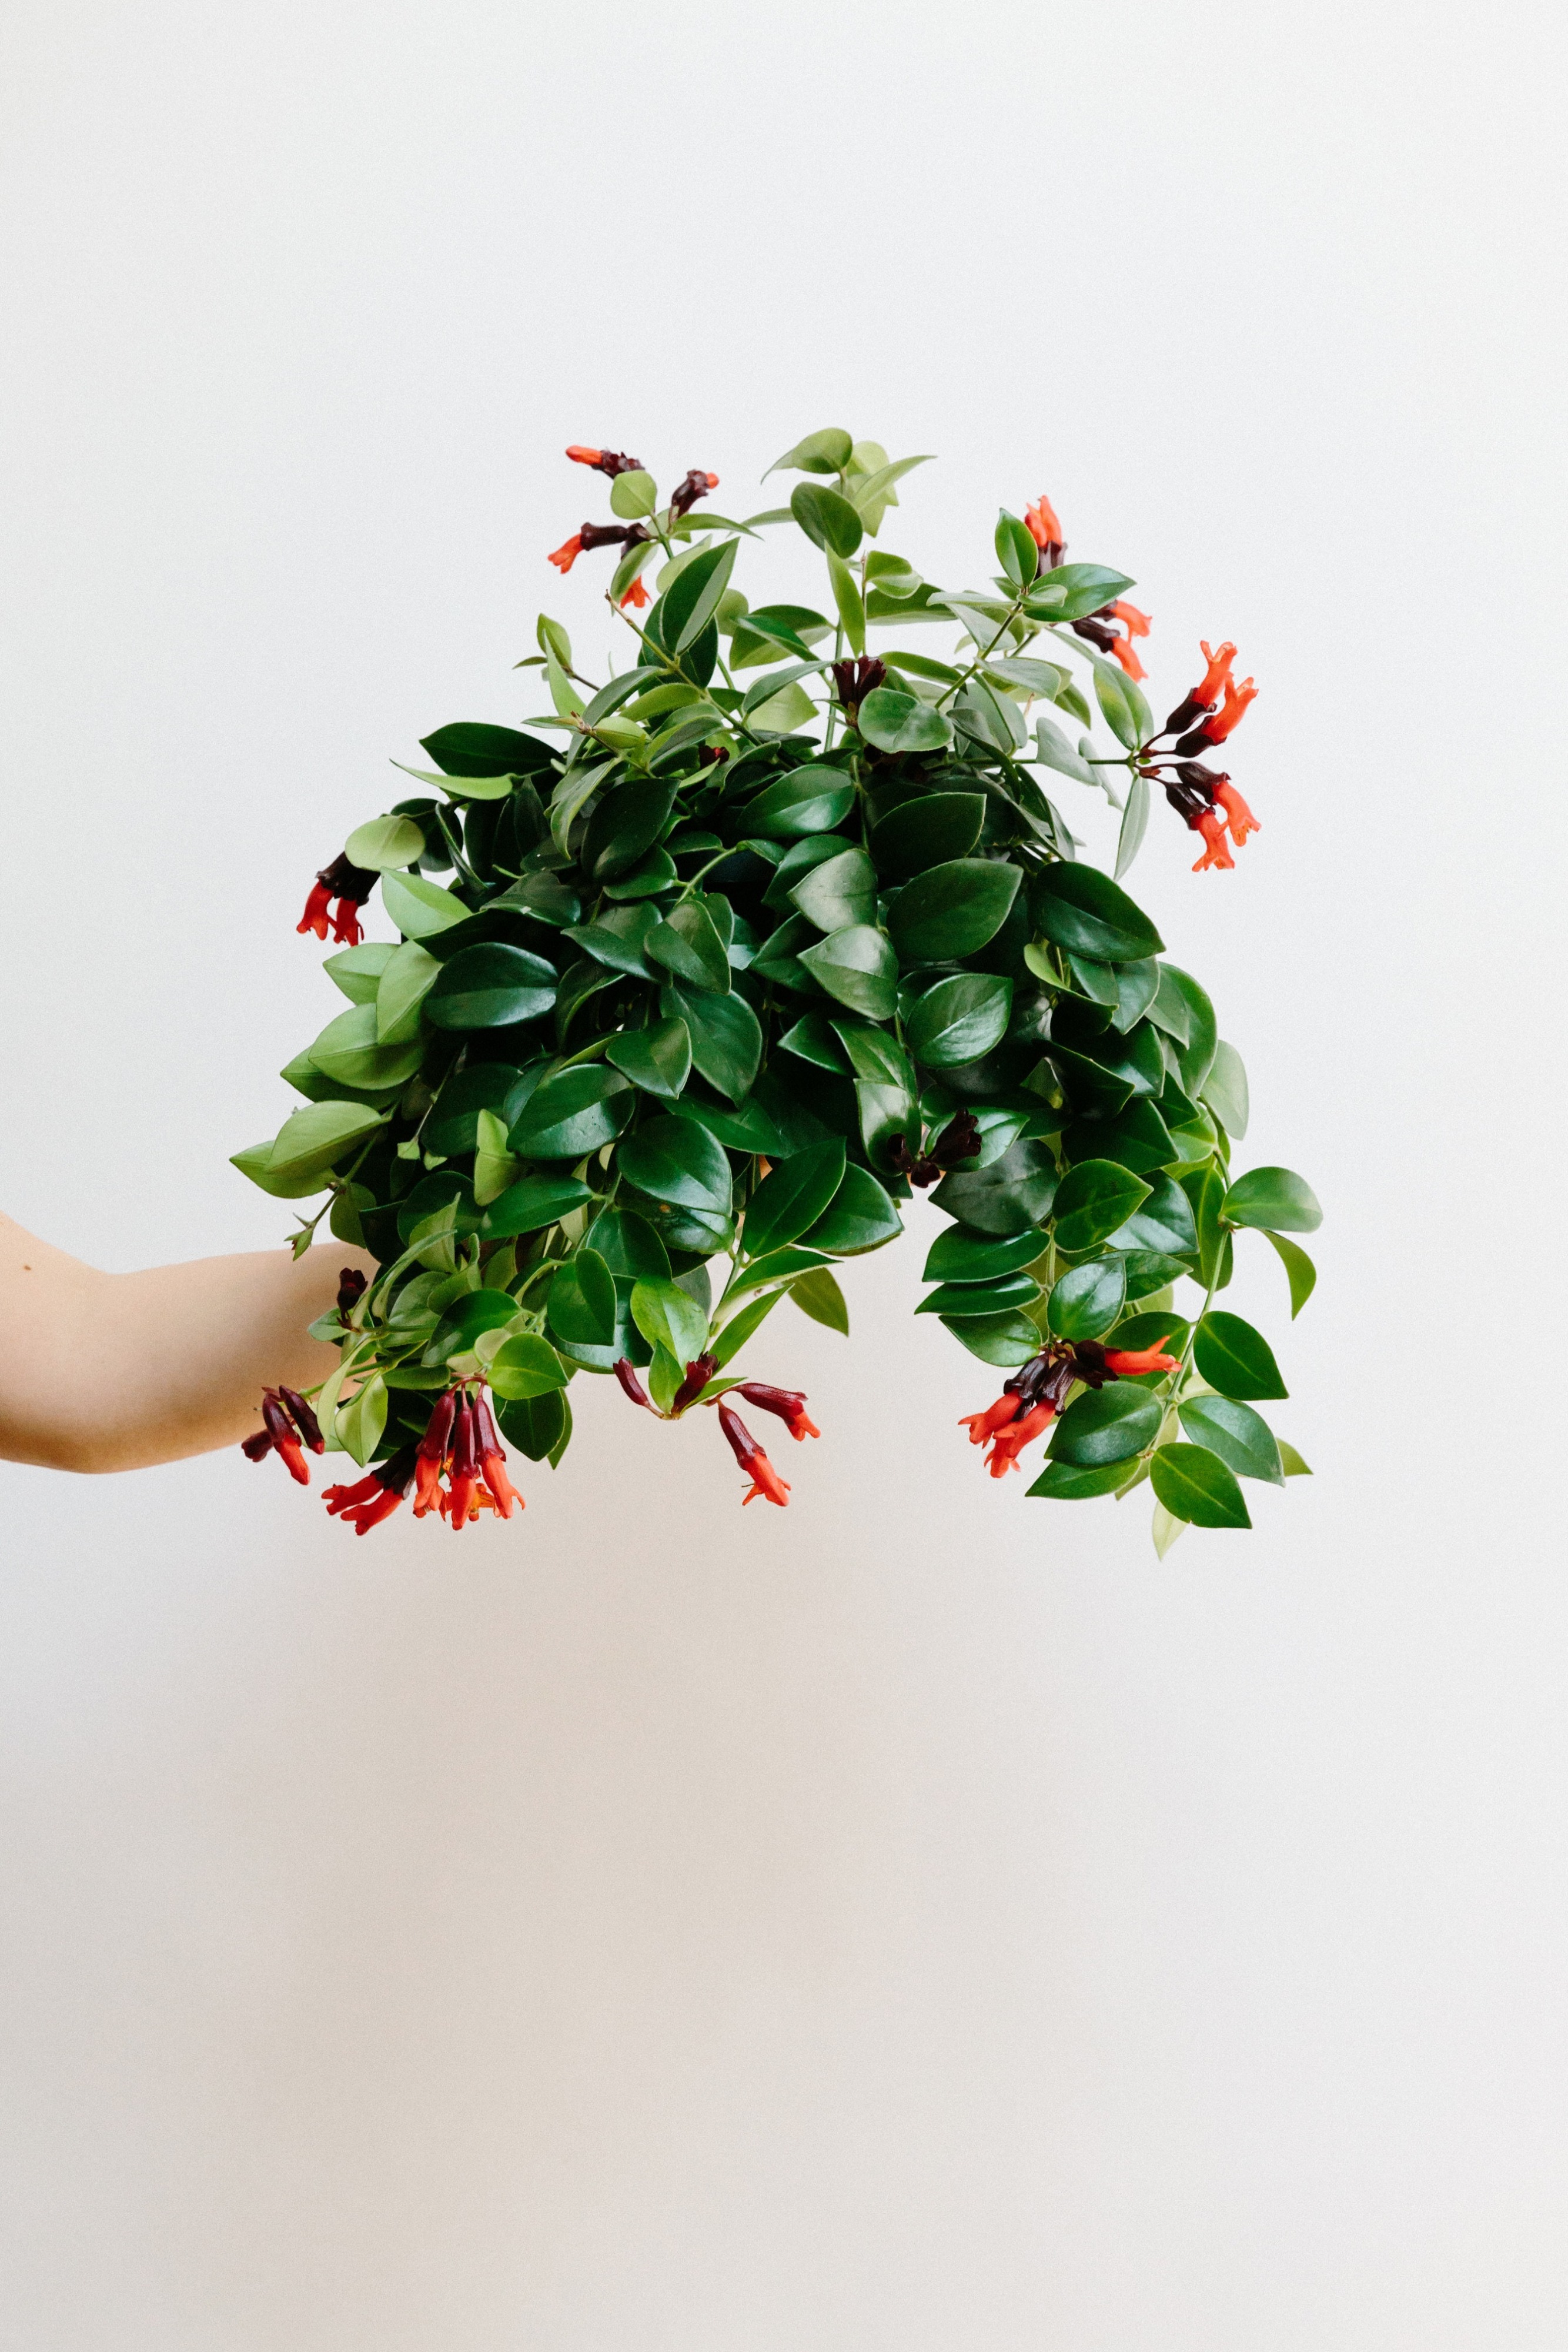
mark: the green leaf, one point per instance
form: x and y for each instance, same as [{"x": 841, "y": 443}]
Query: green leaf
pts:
[
  {"x": 1084, "y": 912},
  {"x": 827, "y": 452},
  {"x": 1225, "y": 1090},
  {"x": 957, "y": 1256},
  {"x": 1134, "y": 823},
  {"x": 952, "y": 911},
  {"x": 1108, "y": 1424},
  {"x": 1194, "y": 1485},
  {"x": 384, "y": 843},
  {"x": 817, "y": 1295},
  {"x": 312, "y": 1141},
  {"x": 784, "y": 713},
  {"x": 1301, "y": 1273},
  {"x": 1013, "y": 1192},
  {"x": 421, "y": 908},
  {"x": 726, "y": 1034},
  {"x": 960, "y": 1019},
  {"x": 1136, "y": 1138},
  {"x": 726, "y": 1344},
  {"x": 1092, "y": 1200},
  {"x": 526, "y": 1365},
  {"x": 626, "y": 822},
  {"x": 1292, "y": 1462},
  {"x": 490, "y": 986},
  {"x": 956, "y": 1299},
  {"x": 1088, "y": 1299},
  {"x": 692, "y": 599},
  {"x": 658, "y": 1060},
  {"x": 452, "y": 1126},
  {"x": 857, "y": 966},
  {"x": 533, "y": 1203},
  {"x": 860, "y": 1217},
  {"x": 358, "y": 971},
  {"x": 347, "y": 1051},
  {"x": 358, "y": 1426},
  {"x": 670, "y": 1317},
  {"x": 1136, "y": 987},
  {"x": 1009, "y": 1339},
  {"x": 409, "y": 974},
  {"x": 797, "y": 1192},
  {"x": 812, "y": 799},
  {"x": 687, "y": 944},
  {"x": 828, "y": 519},
  {"x": 774, "y": 683},
  {"x": 929, "y": 830},
  {"x": 634, "y": 495},
  {"x": 538, "y": 1426},
  {"x": 1127, "y": 712},
  {"x": 1240, "y": 1437},
  {"x": 1054, "y": 750},
  {"x": 1235, "y": 1359},
  {"x": 1073, "y": 590},
  {"x": 839, "y": 892},
  {"x": 629, "y": 1245},
  {"x": 671, "y": 1160},
  {"x": 1165, "y": 1528},
  {"x": 1197, "y": 1051},
  {"x": 472, "y": 749},
  {"x": 582, "y": 1311},
  {"x": 895, "y": 721},
  {"x": 1016, "y": 551},
  {"x": 576, "y": 1111},
  {"x": 1066, "y": 1482},
  {"x": 1163, "y": 1220},
  {"x": 1275, "y": 1198},
  {"x": 847, "y": 597}
]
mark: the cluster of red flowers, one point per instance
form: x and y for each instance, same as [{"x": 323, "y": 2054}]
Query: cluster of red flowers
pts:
[
  {"x": 1031, "y": 1400},
  {"x": 351, "y": 885},
  {"x": 461, "y": 1444},
  {"x": 789, "y": 1405},
  {"x": 1204, "y": 797},
  {"x": 287, "y": 1426},
  {"x": 696, "y": 484}
]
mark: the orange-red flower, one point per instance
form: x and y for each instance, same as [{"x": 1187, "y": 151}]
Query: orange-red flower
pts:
[
  {"x": 1233, "y": 711},
  {"x": 983, "y": 1426},
  {"x": 1216, "y": 676},
  {"x": 1242, "y": 821},
  {"x": 604, "y": 461},
  {"x": 1010, "y": 1443},
  {"x": 636, "y": 596},
  {"x": 493, "y": 1459},
  {"x": 1138, "y": 625},
  {"x": 789, "y": 1404},
  {"x": 431, "y": 1453},
  {"x": 376, "y": 1496},
  {"x": 1043, "y": 527},
  {"x": 566, "y": 554},
  {"x": 765, "y": 1480},
  {"x": 1125, "y": 652},
  {"x": 1128, "y": 1363},
  {"x": 1211, "y": 825},
  {"x": 351, "y": 885}
]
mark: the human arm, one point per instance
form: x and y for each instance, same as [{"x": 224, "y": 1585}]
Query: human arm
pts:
[{"x": 114, "y": 1371}]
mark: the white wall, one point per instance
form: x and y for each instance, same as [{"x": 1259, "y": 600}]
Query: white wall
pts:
[{"x": 920, "y": 1920}]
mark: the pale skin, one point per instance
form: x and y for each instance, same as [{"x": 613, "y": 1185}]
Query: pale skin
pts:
[{"x": 116, "y": 1372}]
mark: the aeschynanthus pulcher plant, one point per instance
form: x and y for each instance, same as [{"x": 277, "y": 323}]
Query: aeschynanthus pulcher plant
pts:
[{"x": 735, "y": 948}]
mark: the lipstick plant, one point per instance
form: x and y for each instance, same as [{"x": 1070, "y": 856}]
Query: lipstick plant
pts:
[{"x": 698, "y": 972}]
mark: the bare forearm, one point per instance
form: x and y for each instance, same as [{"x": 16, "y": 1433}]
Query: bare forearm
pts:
[{"x": 104, "y": 1371}]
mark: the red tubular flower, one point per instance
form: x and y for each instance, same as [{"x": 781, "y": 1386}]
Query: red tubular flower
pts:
[
  {"x": 317, "y": 911},
  {"x": 1211, "y": 825},
  {"x": 351, "y": 885},
  {"x": 1137, "y": 625},
  {"x": 493, "y": 1459},
  {"x": 604, "y": 461},
  {"x": 632, "y": 1386},
  {"x": 375, "y": 1497},
  {"x": 765, "y": 1480},
  {"x": 1010, "y": 1443},
  {"x": 280, "y": 1429},
  {"x": 1216, "y": 676},
  {"x": 566, "y": 554},
  {"x": 1045, "y": 530},
  {"x": 431, "y": 1453},
  {"x": 460, "y": 1505},
  {"x": 1242, "y": 821},
  {"x": 1125, "y": 652},
  {"x": 636, "y": 596},
  {"x": 1128, "y": 1363},
  {"x": 700, "y": 1371},
  {"x": 1229, "y": 717},
  {"x": 789, "y": 1404},
  {"x": 983, "y": 1426}
]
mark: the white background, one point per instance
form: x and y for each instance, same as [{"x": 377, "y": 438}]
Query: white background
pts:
[{"x": 917, "y": 1920}]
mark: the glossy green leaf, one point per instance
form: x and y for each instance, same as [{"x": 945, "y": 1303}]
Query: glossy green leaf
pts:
[
  {"x": 1127, "y": 712},
  {"x": 898, "y": 722},
  {"x": 532, "y": 1203},
  {"x": 952, "y": 911},
  {"x": 407, "y": 978},
  {"x": 1196, "y": 1054},
  {"x": 860, "y": 1217},
  {"x": 472, "y": 749},
  {"x": 1134, "y": 823},
  {"x": 857, "y": 966},
  {"x": 959, "y": 1020},
  {"x": 726, "y": 1034},
  {"x": 1067, "y": 1482},
  {"x": 931, "y": 830},
  {"x": 956, "y": 1299},
  {"x": 1194, "y": 1485},
  {"x": 692, "y": 599},
  {"x": 1240, "y": 1437},
  {"x": 358, "y": 1426},
  {"x": 536, "y": 1425},
  {"x": 1136, "y": 1138},
  {"x": 634, "y": 495},
  {"x": 670, "y": 1317},
  {"x": 812, "y": 799},
  {"x": 816, "y": 1294},
  {"x": 1088, "y": 1299},
  {"x": 792, "y": 1197},
  {"x": 1092, "y": 1200},
  {"x": 385, "y": 843},
  {"x": 1275, "y": 1198},
  {"x": 687, "y": 944},
  {"x": 1007, "y": 1339},
  {"x": 658, "y": 1060},
  {"x": 1016, "y": 550},
  {"x": 847, "y": 598},
  {"x": 526, "y": 1365},
  {"x": 1301, "y": 1273},
  {"x": 490, "y": 986},
  {"x": 349, "y": 1050},
  {"x": 573, "y": 1113},
  {"x": 827, "y": 452},
  {"x": 725, "y": 1345},
  {"x": 626, "y": 822},
  {"x": 1225, "y": 1090},
  {"x": 828, "y": 519},
  {"x": 1108, "y": 1424},
  {"x": 1073, "y": 590},
  {"x": 1084, "y": 912},
  {"x": 1012, "y": 1193},
  {"x": 1235, "y": 1359},
  {"x": 419, "y": 908},
  {"x": 629, "y": 1245},
  {"x": 1163, "y": 1220},
  {"x": 958, "y": 1255},
  {"x": 358, "y": 971},
  {"x": 616, "y": 938},
  {"x": 839, "y": 891},
  {"x": 673, "y": 1160}
]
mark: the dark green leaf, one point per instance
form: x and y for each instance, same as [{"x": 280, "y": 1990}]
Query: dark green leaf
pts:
[
  {"x": 799, "y": 1190},
  {"x": 929, "y": 830},
  {"x": 626, "y": 822},
  {"x": 1108, "y": 1424},
  {"x": 959, "y": 1020},
  {"x": 726, "y": 1034},
  {"x": 687, "y": 944},
  {"x": 1087, "y": 1299},
  {"x": 1137, "y": 1138},
  {"x": 469, "y": 747},
  {"x": 1275, "y": 1198},
  {"x": 960, "y": 1257},
  {"x": 812, "y": 799},
  {"x": 526, "y": 1365},
  {"x": 692, "y": 599},
  {"x": 839, "y": 891},
  {"x": 816, "y": 1294},
  {"x": 860, "y": 1217},
  {"x": 658, "y": 1060},
  {"x": 573, "y": 1113},
  {"x": 1197, "y": 1054},
  {"x": 1137, "y": 986},
  {"x": 452, "y": 1126},
  {"x": 1009, "y": 1339},
  {"x": 1235, "y": 1359},
  {"x": 533, "y": 1203},
  {"x": 826, "y": 518},
  {"x": 629, "y": 1245},
  {"x": 812, "y": 1040},
  {"x": 1301, "y": 1273},
  {"x": 1240, "y": 1437},
  {"x": 1073, "y": 590},
  {"x": 1084, "y": 912},
  {"x": 956, "y": 1299},
  {"x": 673, "y": 1160},
  {"x": 1163, "y": 1221},
  {"x": 490, "y": 987},
  {"x": 1194, "y": 1485},
  {"x": 952, "y": 911},
  {"x": 1065, "y": 1481},
  {"x": 1014, "y": 1192},
  {"x": 597, "y": 1290},
  {"x": 857, "y": 966},
  {"x": 1092, "y": 1200},
  {"x": 1152, "y": 1270},
  {"x": 726, "y": 1344},
  {"x": 536, "y": 1425}
]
